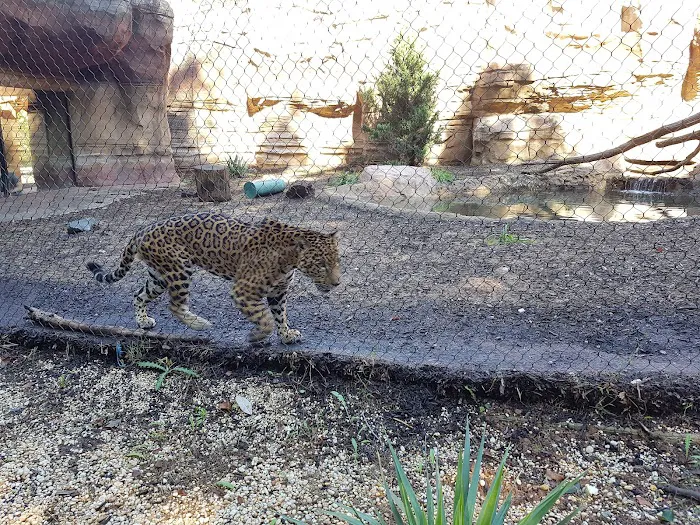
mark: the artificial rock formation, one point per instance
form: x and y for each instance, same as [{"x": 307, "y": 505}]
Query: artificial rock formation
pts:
[
  {"x": 519, "y": 81},
  {"x": 99, "y": 70}
]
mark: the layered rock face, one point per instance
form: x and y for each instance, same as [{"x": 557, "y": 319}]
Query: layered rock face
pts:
[
  {"x": 99, "y": 71},
  {"x": 278, "y": 82}
]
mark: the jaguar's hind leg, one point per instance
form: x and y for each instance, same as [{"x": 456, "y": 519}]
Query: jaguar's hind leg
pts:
[
  {"x": 154, "y": 288},
  {"x": 255, "y": 310},
  {"x": 178, "y": 286}
]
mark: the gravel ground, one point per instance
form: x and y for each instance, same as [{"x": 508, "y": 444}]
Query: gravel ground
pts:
[
  {"x": 83, "y": 441},
  {"x": 581, "y": 298}
]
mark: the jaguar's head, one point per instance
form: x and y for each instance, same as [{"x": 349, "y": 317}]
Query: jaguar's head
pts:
[{"x": 319, "y": 259}]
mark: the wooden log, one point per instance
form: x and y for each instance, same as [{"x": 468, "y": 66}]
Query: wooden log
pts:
[
  {"x": 213, "y": 183},
  {"x": 52, "y": 320}
]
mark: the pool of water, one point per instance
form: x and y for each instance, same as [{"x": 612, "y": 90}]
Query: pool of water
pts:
[{"x": 589, "y": 206}]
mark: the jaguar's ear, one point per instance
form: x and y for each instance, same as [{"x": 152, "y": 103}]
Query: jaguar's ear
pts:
[
  {"x": 301, "y": 243},
  {"x": 334, "y": 235}
]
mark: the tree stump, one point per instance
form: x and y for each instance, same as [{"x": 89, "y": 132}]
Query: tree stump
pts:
[{"x": 213, "y": 183}]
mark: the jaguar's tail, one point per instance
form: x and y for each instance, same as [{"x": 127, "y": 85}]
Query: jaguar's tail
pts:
[{"x": 128, "y": 257}]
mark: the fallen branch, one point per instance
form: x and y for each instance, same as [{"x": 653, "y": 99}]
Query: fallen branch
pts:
[
  {"x": 681, "y": 491},
  {"x": 630, "y": 144},
  {"x": 693, "y": 135},
  {"x": 669, "y": 437},
  {"x": 51, "y": 320}
]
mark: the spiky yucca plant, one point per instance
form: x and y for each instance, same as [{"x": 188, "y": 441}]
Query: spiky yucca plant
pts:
[{"x": 407, "y": 510}]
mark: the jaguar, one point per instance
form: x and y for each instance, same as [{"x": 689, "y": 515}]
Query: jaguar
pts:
[{"x": 258, "y": 258}]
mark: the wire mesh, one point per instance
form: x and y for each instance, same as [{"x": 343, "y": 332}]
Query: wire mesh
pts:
[{"x": 420, "y": 131}]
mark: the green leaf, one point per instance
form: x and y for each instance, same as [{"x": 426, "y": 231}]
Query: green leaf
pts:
[
  {"x": 286, "y": 519},
  {"x": 414, "y": 512},
  {"x": 567, "y": 519},
  {"x": 667, "y": 516},
  {"x": 150, "y": 364},
  {"x": 393, "y": 501},
  {"x": 440, "y": 519},
  {"x": 473, "y": 486},
  {"x": 371, "y": 520},
  {"x": 186, "y": 371},
  {"x": 462, "y": 481},
  {"x": 161, "y": 380},
  {"x": 225, "y": 484},
  {"x": 340, "y": 398},
  {"x": 489, "y": 509},
  {"x": 430, "y": 508},
  {"x": 538, "y": 513},
  {"x": 359, "y": 518},
  {"x": 500, "y": 517}
]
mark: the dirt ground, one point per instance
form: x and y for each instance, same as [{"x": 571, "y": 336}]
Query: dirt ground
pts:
[
  {"x": 85, "y": 441},
  {"x": 589, "y": 299}
]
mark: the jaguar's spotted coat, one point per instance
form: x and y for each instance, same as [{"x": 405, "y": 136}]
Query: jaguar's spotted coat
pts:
[{"x": 259, "y": 258}]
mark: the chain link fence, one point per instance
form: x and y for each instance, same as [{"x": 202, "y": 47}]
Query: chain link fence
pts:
[{"x": 425, "y": 132}]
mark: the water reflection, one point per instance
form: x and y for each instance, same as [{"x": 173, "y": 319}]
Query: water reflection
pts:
[{"x": 611, "y": 206}]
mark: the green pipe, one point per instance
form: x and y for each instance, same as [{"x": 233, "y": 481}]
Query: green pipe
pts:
[{"x": 260, "y": 188}]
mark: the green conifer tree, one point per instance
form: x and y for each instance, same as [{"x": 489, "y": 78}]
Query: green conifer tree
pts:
[{"x": 402, "y": 113}]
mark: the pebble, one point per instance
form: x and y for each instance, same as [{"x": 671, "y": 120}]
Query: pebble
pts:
[{"x": 591, "y": 490}]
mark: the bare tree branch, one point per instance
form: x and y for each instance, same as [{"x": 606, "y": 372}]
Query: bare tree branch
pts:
[
  {"x": 693, "y": 135},
  {"x": 52, "y": 320},
  {"x": 681, "y": 491},
  {"x": 654, "y": 162},
  {"x": 677, "y": 165},
  {"x": 630, "y": 144}
]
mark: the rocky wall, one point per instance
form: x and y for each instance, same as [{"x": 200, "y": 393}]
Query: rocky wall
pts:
[
  {"x": 107, "y": 61},
  {"x": 277, "y": 82}
]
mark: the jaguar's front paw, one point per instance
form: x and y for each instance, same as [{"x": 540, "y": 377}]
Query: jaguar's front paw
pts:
[
  {"x": 146, "y": 323},
  {"x": 290, "y": 336}
]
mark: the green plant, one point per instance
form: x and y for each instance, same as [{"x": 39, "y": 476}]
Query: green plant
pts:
[
  {"x": 165, "y": 366},
  {"x": 341, "y": 398},
  {"x": 138, "y": 452},
  {"x": 443, "y": 175},
  {"x": 346, "y": 177},
  {"x": 407, "y": 510},
  {"x": 137, "y": 350},
  {"x": 225, "y": 484},
  {"x": 237, "y": 167},
  {"x": 62, "y": 381},
  {"x": 197, "y": 418},
  {"x": 695, "y": 460},
  {"x": 402, "y": 111},
  {"x": 505, "y": 237},
  {"x": 688, "y": 449}
]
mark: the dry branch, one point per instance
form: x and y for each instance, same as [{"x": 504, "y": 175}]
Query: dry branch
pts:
[
  {"x": 630, "y": 144},
  {"x": 670, "y": 437},
  {"x": 654, "y": 162},
  {"x": 52, "y": 320},
  {"x": 681, "y": 491},
  {"x": 678, "y": 165},
  {"x": 693, "y": 135}
]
